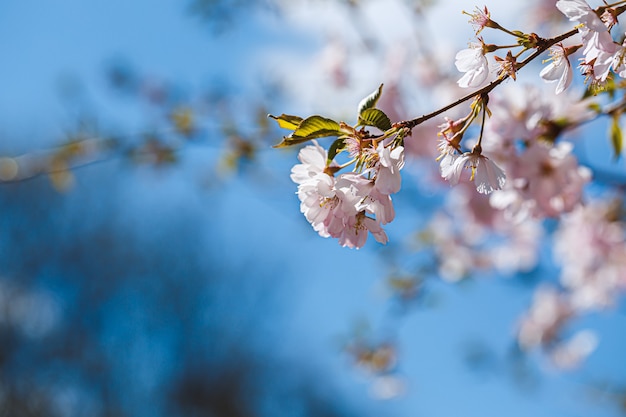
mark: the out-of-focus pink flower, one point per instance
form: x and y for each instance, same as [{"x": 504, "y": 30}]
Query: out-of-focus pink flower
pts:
[
  {"x": 555, "y": 180},
  {"x": 543, "y": 321},
  {"x": 570, "y": 353},
  {"x": 590, "y": 244},
  {"x": 544, "y": 181},
  {"x": 619, "y": 61}
]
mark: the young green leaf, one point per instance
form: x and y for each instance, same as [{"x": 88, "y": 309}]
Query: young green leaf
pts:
[
  {"x": 370, "y": 101},
  {"x": 376, "y": 118},
  {"x": 312, "y": 127},
  {"x": 287, "y": 121},
  {"x": 317, "y": 127},
  {"x": 617, "y": 138}
]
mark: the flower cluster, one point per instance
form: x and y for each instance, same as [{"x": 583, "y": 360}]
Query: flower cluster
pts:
[
  {"x": 518, "y": 158},
  {"x": 452, "y": 160},
  {"x": 471, "y": 235},
  {"x": 591, "y": 245},
  {"x": 342, "y": 207},
  {"x": 545, "y": 178},
  {"x": 543, "y": 324},
  {"x": 601, "y": 53}
]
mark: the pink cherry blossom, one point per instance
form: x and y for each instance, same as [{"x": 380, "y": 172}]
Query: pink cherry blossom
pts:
[
  {"x": 480, "y": 19},
  {"x": 569, "y": 354},
  {"x": 390, "y": 162},
  {"x": 363, "y": 195},
  {"x": 542, "y": 323},
  {"x": 320, "y": 204},
  {"x": 354, "y": 235},
  {"x": 337, "y": 207}
]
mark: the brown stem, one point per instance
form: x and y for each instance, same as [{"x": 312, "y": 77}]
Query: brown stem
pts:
[{"x": 543, "y": 46}]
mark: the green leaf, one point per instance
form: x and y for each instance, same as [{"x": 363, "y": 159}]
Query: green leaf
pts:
[
  {"x": 317, "y": 127},
  {"x": 337, "y": 146},
  {"x": 287, "y": 121},
  {"x": 370, "y": 101},
  {"x": 376, "y": 118},
  {"x": 312, "y": 127},
  {"x": 617, "y": 138}
]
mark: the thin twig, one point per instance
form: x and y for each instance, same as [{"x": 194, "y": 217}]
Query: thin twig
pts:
[{"x": 544, "y": 46}]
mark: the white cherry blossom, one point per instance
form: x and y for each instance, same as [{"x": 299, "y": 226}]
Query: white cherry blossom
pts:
[
  {"x": 473, "y": 62},
  {"x": 598, "y": 45},
  {"x": 559, "y": 69},
  {"x": 485, "y": 173},
  {"x": 313, "y": 158},
  {"x": 579, "y": 11}
]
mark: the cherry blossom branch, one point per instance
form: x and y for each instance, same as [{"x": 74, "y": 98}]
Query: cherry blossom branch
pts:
[{"x": 543, "y": 45}]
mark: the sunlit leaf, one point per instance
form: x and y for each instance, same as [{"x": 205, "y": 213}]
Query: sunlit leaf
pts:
[
  {"x": 317, "y": 127},
  {"x": 376, "y": 118},
  {"x": 616, "y": 137},
  {"x": 287, "y": 121},
  {"x": 312, "y": 127},
  {"x": 370, "y": 101}
]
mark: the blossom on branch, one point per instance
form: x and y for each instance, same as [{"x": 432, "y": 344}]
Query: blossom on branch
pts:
[
  {"x": 390, "y": 162},
  {"x": 559, "y": 69},
  {"x": 340, "y": 206},
  {"x": 579, "y": 11},
  {"x": 473, "y": 62},
  {"x": 485, "y": 173},
  {"x": 598, "y": 45},
  {"x": 480, "y": 19}
]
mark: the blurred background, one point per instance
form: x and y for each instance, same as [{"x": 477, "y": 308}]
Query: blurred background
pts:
[{"x": 153, "y": 260}]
